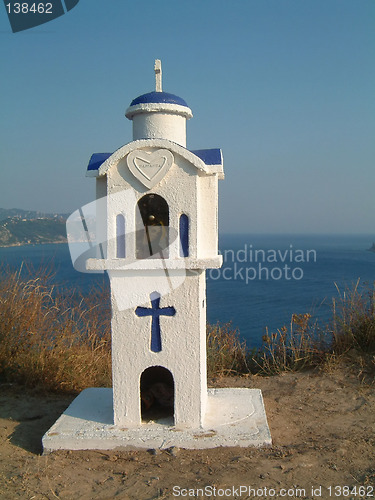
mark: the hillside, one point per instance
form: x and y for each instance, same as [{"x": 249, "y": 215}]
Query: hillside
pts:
[
  {"x": 21, "y": 227},
  {"x": 6, "y": 213}
]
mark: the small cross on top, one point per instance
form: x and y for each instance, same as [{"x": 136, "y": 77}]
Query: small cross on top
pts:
[{"x": 158, "y": 75}]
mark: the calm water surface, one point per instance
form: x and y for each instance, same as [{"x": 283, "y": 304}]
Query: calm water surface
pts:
[{"x": 263, "y": 281}]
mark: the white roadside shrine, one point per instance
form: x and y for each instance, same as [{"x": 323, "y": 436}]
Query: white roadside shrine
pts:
[{"x": 158, "y": 233}]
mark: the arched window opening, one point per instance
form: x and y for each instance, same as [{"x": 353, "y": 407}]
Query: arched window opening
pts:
[
  {"x": 157, "y": 394},
  {"x": 120, "y": 236},
  {"x": 152, "y": 223},
  {"x": 184, "y": 236}
]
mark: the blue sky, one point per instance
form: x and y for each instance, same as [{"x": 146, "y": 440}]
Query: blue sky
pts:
[{"x": 284, "y": 87}]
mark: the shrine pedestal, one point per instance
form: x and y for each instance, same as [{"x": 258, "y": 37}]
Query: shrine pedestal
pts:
[{"x": 234, "y": 417}]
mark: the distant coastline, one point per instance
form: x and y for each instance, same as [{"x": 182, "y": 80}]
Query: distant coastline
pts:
[
  {"x": 20, "y": 227},
  {"x": 23, "y": 227},
  {"x": 13, "y": 245}
]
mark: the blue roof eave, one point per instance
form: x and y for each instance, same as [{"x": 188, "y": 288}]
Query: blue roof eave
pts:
[
  {"x": 209, "y": 156},
  {"x": 212, "y": 158},
  {"x": 96, "y": 160}
]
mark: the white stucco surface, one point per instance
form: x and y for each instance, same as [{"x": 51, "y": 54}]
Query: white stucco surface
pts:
[
  {"x": 149, "y": 187},
  {"x": 162, "y": 168},
  {"x": 152, "y": 126},
  {"x": 183, "y": 353},
  {"x": 234, "y": 417}
]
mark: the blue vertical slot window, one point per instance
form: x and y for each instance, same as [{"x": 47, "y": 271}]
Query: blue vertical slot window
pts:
[
  {"x": 120, "y": 236},
  {"x": 184, "y": 236}
]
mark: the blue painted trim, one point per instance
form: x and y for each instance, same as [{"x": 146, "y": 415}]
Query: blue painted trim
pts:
[
  {"x": 155, "y": 312},
  {"x": 184, "y": 236},
  {"x": 209, "y": 156},
  {"x": 157, "y": 97},
  {"x": 97, "y": 159},
  {"x": 120, "y": 236}
]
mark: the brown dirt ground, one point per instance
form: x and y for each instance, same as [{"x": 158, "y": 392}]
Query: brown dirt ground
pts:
[{"x": 322, "y": 426}]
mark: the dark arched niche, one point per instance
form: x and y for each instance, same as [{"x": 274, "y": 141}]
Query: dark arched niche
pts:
[
  {"x": 157, "y": 393},
  {"x": 152, "y": 224}
]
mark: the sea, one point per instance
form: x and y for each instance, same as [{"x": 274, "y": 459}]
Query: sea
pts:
[{"x": 264, "y": 280}]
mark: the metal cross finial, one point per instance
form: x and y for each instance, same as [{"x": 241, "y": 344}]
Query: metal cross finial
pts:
[{"x": 158, "y": 74}]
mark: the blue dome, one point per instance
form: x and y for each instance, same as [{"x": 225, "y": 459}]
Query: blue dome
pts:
[{"x": 158, "y": 97}]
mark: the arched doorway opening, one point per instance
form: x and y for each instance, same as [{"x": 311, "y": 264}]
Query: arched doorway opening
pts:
[
  {"x": 152, "y": 224},
  {"x": 157, "y": 394}
]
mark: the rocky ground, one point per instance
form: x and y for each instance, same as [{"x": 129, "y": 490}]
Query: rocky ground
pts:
[{"x": 322, "y": 425}]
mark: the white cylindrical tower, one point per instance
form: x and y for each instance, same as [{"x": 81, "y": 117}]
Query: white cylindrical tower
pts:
[{"x": 159, "y": 115}]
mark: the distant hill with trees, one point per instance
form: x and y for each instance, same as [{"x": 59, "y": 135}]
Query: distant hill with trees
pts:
[{"x": 27, "y": 227}]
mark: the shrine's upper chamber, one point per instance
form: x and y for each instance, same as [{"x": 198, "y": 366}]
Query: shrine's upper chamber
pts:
[{"x": 159, "y": 115}]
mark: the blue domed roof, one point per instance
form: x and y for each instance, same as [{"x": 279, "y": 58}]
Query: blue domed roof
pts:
[{"x": 158, "y": 97}]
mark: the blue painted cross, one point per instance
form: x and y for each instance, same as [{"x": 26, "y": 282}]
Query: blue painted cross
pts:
[{"x": 155, "y": 312}]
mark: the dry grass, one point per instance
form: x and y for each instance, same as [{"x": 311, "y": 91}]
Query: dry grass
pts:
[
  {"x": 354, "y": 319},
  {"x": 353, "y": 332},
  {"x": 53, "y": 341},
  {"x": 61, "y": 341},
  {"x": 350, "y": 336},
  {"x": 299, "y": 347},
  {"x": 226, "y": 353}
]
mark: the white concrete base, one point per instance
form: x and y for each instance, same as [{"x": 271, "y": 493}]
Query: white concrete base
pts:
[{"x": 234, "y": 417}]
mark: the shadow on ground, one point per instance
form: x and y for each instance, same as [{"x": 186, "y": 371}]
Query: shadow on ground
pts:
[{"x": 29, "y": 418}]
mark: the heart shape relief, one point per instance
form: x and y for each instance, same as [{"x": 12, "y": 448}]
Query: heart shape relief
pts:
[{"x": 150, "y": 167}]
